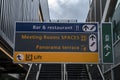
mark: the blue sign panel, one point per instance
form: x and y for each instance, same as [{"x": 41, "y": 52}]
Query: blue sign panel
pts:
[
  {"x": 61, "y": 37},
  {"x": 57, "y": 27}
]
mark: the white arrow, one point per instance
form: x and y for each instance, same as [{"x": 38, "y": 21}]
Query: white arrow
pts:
[
  {"x": 107, "y": 47},
  {"x": 92, "y": 42},
  {"x": 107, "y": 53},
  {"x": 19, "y": 57}
]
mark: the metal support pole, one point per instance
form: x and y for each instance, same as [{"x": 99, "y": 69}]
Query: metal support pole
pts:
[
  {"x": 112, "y": 73},
  {"x": 90, "y": 77},
  {"x": 100, "y": 9},
  {"x": 28, "y": 72},
  {"x": 100, "y": 72},
  {"x": 90, "y": 9},
  {"x": 63, "y": 69},
  {"x": 38, "y": 72},
  {"x": 95, "y": 10}
]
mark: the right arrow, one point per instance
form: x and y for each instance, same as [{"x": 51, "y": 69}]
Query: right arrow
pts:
[
  {"x": 92, "y": 27},
  {"x": 107, "y": 53},
  {"x": 92, "y": 44}
]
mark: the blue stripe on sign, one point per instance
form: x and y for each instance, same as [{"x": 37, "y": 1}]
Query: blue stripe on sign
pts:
[{"x": 56, "y": 27}]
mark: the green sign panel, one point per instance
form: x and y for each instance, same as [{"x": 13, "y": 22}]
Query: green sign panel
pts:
[{"x": 107, "y": 49}]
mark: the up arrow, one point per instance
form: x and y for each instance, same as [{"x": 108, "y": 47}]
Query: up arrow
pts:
[
  {"x": 92, "y": 37},
  {"x": 85, "y": 28},
  {"x": 19, "y": 57},
  {"x": 107, "y": 47}
]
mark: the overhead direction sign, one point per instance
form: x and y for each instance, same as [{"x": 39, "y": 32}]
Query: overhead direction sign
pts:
[
  {"x": 56, "y": 42},
  {"x": 107, "y": 48}
]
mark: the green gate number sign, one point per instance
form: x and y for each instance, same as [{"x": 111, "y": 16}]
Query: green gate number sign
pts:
[{"x": 107, "y": 48}]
